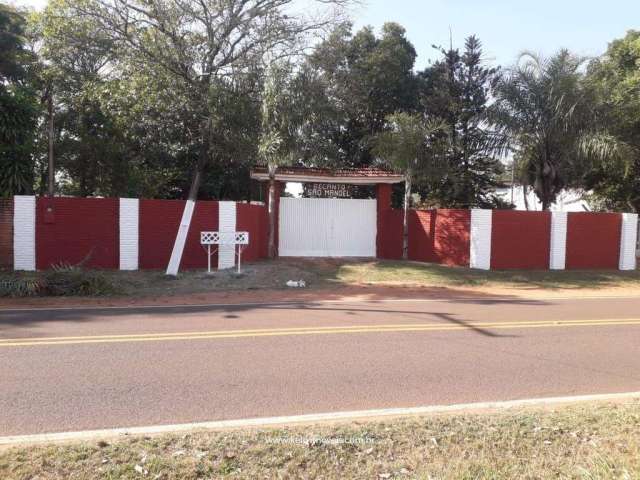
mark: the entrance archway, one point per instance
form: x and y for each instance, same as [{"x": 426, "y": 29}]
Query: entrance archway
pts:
[{"x": 328, "y": 225}]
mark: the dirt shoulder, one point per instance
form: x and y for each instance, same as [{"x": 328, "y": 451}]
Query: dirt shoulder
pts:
[
  {"x": 598, "y": 440},
  {"x": 343, "y": 293},
  {"x": 331, "y": 279}
]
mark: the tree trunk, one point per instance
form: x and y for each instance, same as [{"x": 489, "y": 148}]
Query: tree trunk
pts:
[
  {"x": 525, "y": 196},
  {"x": 405, "y": 218},
  {"x": 203, "y": 159},
  {"x": 196, "y": 179},
  {"x": 51, "y": 167},
  {"x": 271, "y": 205}
]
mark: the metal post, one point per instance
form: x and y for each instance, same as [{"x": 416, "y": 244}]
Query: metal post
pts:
[
  {"x": 239, "y": 257},
  {"x": 208, "y": 258}
]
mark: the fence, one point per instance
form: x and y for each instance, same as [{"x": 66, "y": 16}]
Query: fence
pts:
[
  {"x": 507, "y": 239},
  {"x": 112, "y": 233},
  {"x": 128, "y": 234}
]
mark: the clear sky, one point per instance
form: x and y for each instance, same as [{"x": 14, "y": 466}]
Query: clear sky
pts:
[{"x": 506, "y": 27}]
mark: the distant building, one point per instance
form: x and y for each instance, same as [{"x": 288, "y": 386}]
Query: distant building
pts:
[{"x": 567, "y": 201}]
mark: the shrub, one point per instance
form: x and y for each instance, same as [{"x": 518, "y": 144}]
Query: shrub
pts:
[
  {"x": 20, "y": 287},
  {"x": 74, "y": 281},
  {"x": 61, "y": 280}
]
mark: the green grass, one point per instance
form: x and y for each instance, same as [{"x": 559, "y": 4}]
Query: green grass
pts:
[
  {"x": 578, "y": 442},
  {"x": 424, "y": 274}
]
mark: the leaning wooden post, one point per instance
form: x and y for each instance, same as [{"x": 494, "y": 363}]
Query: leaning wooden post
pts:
[{"x": 405, "y": 219}]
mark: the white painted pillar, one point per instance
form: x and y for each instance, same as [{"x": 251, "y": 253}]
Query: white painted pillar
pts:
[
  {"x": 558, "y": 245},
  {"x": 628, "y": 241},
  {"x": 24, "y": 232},
  {"x": 226, "y": 223},
  {"x": 181, "y": 238},
  {"x": 480, "y": 244},
  {"x": 129, "y": 233}
]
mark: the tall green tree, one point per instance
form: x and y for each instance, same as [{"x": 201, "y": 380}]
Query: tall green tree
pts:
[
  {"x": 362, "y": 79},
  {"x": 544, "y": 111},
  {"x": 277, "y": 140},
  {"x": 200, "y": 43},
  {"x": 401, "y": 146},
  {"x": 457, "y": 89},
  {"x": 18, "y": 105},
  {"x": 615, "y": 79},
  {"x": 84, "y": 147}
]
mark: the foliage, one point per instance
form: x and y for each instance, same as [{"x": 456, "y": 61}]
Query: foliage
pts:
[
  {"x": 170, "y": 99},
  {"x": 200, "y": 44},
  {"x": 400, "y": 146},
  {"x": 20, "y": 287},
  {"x": 615, "y": 78},
  {"x": 60, "y": 280},
  {"x": 359, "y": 80},
  {"x": 457, "y": 89},
  {"x": 546, "y": 113},
  {"x": 18, "y": 105},
  {"x": 276, "y": 145},
  {"x": 76, "y": 281}
]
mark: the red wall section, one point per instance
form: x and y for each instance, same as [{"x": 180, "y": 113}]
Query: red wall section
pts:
[
  {"x": 389, "y": 225},
  {"x": 593, "y": 240},
  {"x": 255, "y": 220},
  {"x": 389, "y": 240},
  {"x": 6, "y": 232},
  {"x": 520, "y": 240},
  {"x": 159, "y": 221},
  {"x": 452, "y": 237},
  {"x": 440, "y": 236},
  {"x": 69, "y": 229},
  {"x": 205, "y": 219}
]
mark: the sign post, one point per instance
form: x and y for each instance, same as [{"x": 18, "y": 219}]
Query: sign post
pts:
[{"x": 237, "y": 239}]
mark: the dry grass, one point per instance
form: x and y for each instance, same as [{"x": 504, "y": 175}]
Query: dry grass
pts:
[
  {"x": 582, "y": 442},
  {"x": 425, "y": 274},
  {"x": 336, "y": 273}
]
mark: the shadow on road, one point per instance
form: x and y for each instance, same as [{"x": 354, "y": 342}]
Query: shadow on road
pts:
[{"x": 12, "y": 320}]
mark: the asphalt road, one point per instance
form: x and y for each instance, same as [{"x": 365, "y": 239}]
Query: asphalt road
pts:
[{"x": 67, "y": 370}]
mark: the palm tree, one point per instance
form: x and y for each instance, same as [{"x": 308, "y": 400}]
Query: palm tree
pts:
[
  {"x": 276, "y": 145},
  {"x": 544, "y": 112},
  {"x": 400, "y": 147}
]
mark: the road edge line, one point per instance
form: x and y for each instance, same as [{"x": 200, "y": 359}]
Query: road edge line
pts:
[
  {"x": 497, "y": 299},
  {"x": 16, "y": 440}
]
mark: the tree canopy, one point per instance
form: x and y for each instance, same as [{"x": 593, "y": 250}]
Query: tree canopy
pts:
[{"x": 173, "y": 99}]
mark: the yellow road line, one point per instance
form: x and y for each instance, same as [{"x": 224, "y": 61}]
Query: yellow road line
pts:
[
  {"x": 223, "y": 334},
  {"x": 316, "y": 328}
]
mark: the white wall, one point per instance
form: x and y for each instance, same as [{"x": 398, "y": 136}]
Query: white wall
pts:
[{"x": 24, "y": 232}]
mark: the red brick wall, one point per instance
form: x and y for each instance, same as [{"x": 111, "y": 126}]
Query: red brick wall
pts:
[
  {"x": 69, "y": 229},
  {"x": 255, "y": 220},
  {"x": 6, "y": 233},
  {"x": 205, "y": 219},
  {"x": 158, "y": 226},
  {"x": 440, "y": 236},
  {"x": 593, "y": 240},
  {"x": 389, "y": 225},
  {"x": 389, "y": 240},
  {"x": 520, "y": 240},
  {"x": 452, "y": 237}
]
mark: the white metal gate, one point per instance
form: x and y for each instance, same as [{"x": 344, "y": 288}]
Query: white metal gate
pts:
[{"x": 327, "y": 227}]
